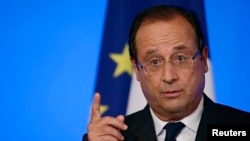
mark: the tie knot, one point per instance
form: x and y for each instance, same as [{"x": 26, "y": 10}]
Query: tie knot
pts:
[{"x": 172, "y": 130}]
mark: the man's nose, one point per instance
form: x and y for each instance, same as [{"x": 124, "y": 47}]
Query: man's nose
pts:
[{"x": 169, "y": 74}]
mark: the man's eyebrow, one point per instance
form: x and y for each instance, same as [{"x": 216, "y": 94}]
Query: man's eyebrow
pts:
[
  {"x": 182, "y": 47},
  {"x": 176, "y": 49},
  {"x": 151, "y": 51}
]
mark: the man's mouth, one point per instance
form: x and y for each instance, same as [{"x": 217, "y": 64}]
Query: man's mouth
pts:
[{"x": 171, "y": 93}]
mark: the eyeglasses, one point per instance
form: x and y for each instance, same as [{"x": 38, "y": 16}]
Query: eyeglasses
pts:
[{"x": 181, "y": 61}]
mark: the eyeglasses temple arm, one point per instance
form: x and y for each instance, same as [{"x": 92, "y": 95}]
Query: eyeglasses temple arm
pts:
[{"x": 196, "y": 54}]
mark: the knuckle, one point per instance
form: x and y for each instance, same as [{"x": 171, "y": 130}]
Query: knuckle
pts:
[{"x": 108, "y": 119}]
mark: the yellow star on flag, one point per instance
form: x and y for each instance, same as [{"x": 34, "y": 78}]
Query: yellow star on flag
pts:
[
  {"x": 123, "y": 62},
  {"x": 103, "y": 109}
]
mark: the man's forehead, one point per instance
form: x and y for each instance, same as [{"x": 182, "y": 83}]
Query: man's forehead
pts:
[
  {"x": 173, "y": 49},
  {"x": 162, "y": 31}
]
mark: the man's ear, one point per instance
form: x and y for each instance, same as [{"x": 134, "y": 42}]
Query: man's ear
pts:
[
  {"x": 204, "y": 59},
  {"x": 135, "y": 68}
]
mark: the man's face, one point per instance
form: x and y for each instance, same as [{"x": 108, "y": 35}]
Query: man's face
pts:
[{"x": 171, "y": 93}]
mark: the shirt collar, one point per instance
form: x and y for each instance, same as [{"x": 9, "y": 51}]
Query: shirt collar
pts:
[
  {"x": 192, "y": 121},
  {"x": 189, "y": 121}
]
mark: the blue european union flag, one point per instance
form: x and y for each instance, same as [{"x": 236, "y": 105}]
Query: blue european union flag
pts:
[{"x": 115, "y": 70}]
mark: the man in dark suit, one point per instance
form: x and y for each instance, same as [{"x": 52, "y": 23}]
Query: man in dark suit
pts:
[{"x": 169, "y": 57}]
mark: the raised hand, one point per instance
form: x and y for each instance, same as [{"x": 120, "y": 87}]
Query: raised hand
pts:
[{"x": 104, "y": 128}]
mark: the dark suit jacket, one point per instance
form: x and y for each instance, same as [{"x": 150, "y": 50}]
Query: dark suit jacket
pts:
[{"x": 141, "y": 127}]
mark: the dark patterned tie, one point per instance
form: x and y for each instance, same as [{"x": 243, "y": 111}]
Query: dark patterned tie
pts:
[{"x": 172, "y": 130}]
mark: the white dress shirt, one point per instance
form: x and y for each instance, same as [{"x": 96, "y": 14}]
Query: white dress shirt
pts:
[{"x": 188, "y": 133}]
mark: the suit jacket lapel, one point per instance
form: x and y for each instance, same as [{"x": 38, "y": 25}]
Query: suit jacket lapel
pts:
[
  {"x": 148, "y": 131},
  {"x": 144, "y": 129},
  {"x": 206, "y": 118}
]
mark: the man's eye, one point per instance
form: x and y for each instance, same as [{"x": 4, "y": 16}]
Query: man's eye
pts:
[
  {"x": 180, "y": 58},
  {"x": 154, "y": 62}
]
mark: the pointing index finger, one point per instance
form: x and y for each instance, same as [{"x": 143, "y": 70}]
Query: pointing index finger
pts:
[{"x": 95, "y": 111}]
